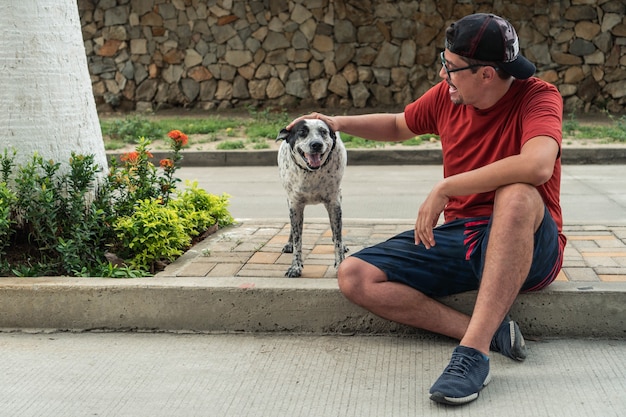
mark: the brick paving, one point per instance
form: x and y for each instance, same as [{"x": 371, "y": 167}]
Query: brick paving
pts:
[{"x": 594, "y": 253}]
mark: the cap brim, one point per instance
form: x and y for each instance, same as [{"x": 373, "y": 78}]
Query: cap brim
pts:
[{"x": 520, "y": 68}]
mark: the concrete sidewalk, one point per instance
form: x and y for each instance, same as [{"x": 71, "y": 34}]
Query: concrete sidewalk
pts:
[{"x": 293, "y": 375}]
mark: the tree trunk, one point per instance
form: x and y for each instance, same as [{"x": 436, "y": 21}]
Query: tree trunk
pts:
[{"x": 46, "y": 101}]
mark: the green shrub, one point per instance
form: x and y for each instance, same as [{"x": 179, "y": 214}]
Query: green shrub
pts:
[
  {"x": 152, "y": 233},
  {"x": 131, "y": 129},
  {"x": 66, "y": 222},
  {"x": 54, "y": 216},
  {"x": 7, "y": 199},
  {"x": 201, "y": 209}
]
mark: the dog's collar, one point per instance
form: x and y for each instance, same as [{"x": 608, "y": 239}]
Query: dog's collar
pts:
[{"x": 330, "y": 155}]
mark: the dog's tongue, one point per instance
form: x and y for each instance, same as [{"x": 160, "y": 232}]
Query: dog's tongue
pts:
[{"x": 313, "y": 159}]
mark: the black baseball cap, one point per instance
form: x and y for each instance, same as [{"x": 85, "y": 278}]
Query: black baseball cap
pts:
[{"x": 487, "y": 37}]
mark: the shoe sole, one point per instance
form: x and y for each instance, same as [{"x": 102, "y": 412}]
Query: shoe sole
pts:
[
  {"x": 441, "y": 398},
  {"x": 518, "y": 350}
]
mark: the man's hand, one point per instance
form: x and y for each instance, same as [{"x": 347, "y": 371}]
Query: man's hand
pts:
[
  {"x": 428, "y": 215},
  {"x": 326, "y": 119}
]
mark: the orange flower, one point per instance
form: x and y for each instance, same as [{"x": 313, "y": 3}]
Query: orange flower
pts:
[
  {"x": 167, "y": 163},
  {"x": 133, "y": 157},
  {"x": 130, "y": 157},
  {"x": 178, "y": 137}
]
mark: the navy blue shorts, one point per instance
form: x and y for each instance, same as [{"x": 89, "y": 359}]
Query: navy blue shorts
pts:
[{"x": 455, "y": 263}]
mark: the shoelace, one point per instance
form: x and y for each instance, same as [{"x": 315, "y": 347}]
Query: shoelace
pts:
[{"x": 460, "y": 364}]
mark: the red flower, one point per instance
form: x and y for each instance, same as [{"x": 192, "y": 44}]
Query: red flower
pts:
[
  {"x": 167, "y": 163},
  {"x": 133, "y": 157},
  {"x": 178, "y": 137},
  {"x": 130, "y": 157}
]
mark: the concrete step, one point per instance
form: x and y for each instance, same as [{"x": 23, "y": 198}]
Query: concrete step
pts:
[{"x": 247, "y": 304}]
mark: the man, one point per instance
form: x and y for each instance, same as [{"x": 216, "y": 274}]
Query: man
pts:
[{"x": 500, "y": 131}]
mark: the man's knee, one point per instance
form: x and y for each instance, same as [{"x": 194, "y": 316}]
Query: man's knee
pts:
[
  {"x": 356, "y": 279},
  {"x": 347, "y": 276},
  {"x": 519, "y": 199}
]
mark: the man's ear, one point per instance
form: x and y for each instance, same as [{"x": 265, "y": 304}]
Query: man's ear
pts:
[
  {"x": 489, "y": 72},
  {"x": 283, "y": 135}
]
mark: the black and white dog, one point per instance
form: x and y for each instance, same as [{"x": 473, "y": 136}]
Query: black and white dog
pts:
[{"x": 311, "y": 161}]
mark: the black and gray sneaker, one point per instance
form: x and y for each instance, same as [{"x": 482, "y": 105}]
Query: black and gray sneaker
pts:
[
  {"x": 509, "y": 341},
  {"x": 464, "y": 377}
]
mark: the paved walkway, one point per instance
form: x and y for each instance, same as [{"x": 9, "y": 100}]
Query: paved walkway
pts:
[
  {"x": 293, "y": 375},
  {"x": 253, "y": 248}
]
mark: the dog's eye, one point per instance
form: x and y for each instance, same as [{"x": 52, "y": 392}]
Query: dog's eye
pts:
[{"x": 323, "y": 131}]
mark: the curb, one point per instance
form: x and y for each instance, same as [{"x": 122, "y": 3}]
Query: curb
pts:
[
  {"x": 229, "y": 305},
  {"x": 571, "y": 156}
]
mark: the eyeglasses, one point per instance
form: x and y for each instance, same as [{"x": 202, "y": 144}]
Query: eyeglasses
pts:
[{"x": 450, "y": 71}]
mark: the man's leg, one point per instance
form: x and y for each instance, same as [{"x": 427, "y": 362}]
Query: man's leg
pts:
[
  {"x": 518, "y": 211},
  {"x": 367, "y": 286}
]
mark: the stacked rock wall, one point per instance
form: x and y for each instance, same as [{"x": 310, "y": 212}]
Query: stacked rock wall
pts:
[{"x": 154, "y": 54}]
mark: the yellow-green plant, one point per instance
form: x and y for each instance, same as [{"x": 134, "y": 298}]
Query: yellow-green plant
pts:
[
  {"x": 202, "y": 209},
  {"x": 153, "y": 232}
]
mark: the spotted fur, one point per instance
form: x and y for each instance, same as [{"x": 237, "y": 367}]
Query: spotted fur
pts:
[{"x": 311, "y": 162}]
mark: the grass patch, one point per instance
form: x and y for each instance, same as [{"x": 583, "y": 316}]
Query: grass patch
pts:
[
  {"x": 352, "y": 142},
  {"x": 113, "y": 145},
  {"x": 198, "y": 126},
  {"x": 612, "y": 132},
  {"x": 256, "y": 130},
  {"x": 230, "y": 145},
  {"x": 131, "y": 128}
]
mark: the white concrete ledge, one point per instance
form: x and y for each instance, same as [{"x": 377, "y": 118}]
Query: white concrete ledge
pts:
[{"x": 275, "y": 305}]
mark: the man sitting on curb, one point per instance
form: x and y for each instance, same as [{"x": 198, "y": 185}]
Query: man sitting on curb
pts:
[{"x": 500, "y": 131}]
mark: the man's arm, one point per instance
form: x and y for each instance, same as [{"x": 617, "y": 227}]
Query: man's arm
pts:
[
  {"x": 385, "y": 127},
  {"x": 534, "y": 165}
]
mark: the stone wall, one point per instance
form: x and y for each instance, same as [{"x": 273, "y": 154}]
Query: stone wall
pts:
[{"x": 155, "y": 54}]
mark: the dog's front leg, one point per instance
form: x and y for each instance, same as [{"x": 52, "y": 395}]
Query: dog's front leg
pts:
[
  {"x": 288, "y": 248},
  {"x": 335, "y": 217},
  {"x": 296, "y": 216}
]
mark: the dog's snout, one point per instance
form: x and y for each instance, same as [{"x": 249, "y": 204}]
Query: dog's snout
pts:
[{"x": 317, "y": 146}]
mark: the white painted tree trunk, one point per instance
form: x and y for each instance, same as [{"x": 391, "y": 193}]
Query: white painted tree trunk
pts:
[{"x": 46, "y": 101}]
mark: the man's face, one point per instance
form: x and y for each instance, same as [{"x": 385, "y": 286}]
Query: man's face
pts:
[{"x": 458, "y": 75}]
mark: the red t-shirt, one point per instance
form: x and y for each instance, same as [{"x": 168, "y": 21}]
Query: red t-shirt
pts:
[{"x": 472, "y": 138}]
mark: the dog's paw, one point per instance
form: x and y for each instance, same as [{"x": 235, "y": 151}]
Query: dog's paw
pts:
[
  {"x": 340, "y": 254},
  {"x": 288, "y": 248},
  {"x": 339, "y": 260},
  {"x": 294, "y": 272}
]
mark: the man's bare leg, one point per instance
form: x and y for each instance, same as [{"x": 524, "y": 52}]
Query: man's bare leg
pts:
[
  {"x": 518, "y": 211},
  {"x": 367, "y": 286}
]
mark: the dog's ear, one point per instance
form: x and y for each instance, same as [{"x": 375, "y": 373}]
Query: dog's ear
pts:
[
  {"x": 333, "y": 134},
  {"x": 283, "y": 135}
]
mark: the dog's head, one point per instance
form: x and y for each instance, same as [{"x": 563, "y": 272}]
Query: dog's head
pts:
[{"x": 311, "y": 142}]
